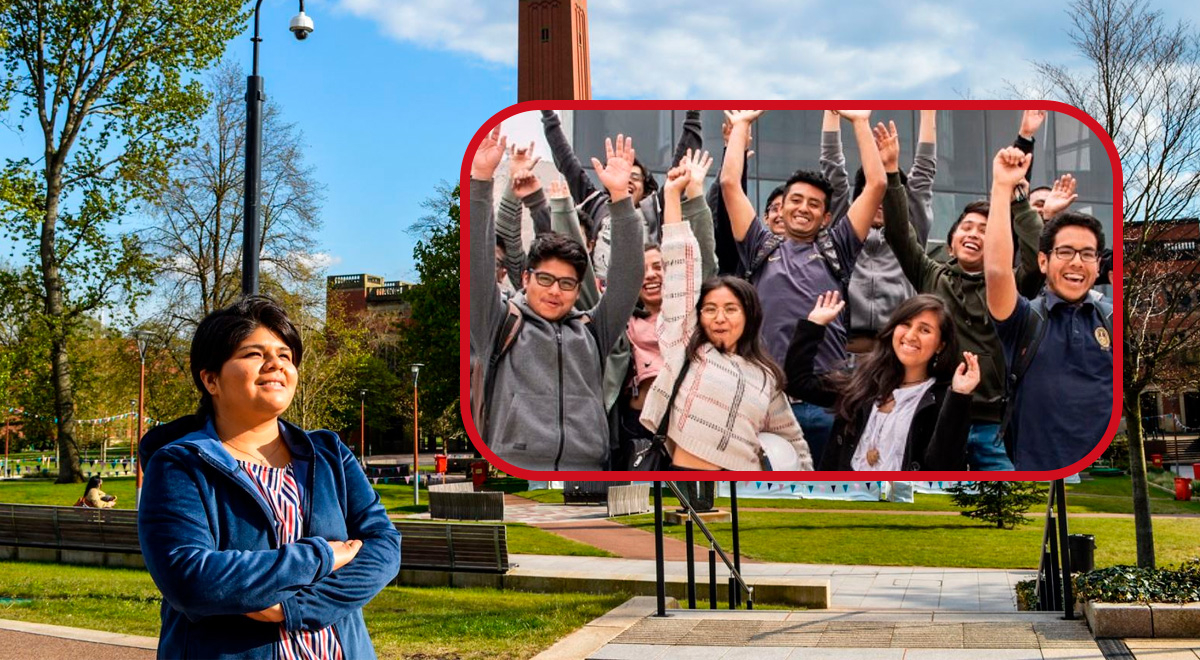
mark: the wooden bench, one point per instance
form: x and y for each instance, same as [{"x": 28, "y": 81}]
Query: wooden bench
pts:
[
  {"x": 431, "y": 546},
  {"x": 453, "y": 547},
  {"x": 69, "y": 528},
  {"x": 459, "y": 501}
]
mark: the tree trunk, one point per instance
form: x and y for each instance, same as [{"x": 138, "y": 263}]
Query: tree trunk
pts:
[
  {"x": 64, "y": 394},
  {"x": 1137, "y": 469}
]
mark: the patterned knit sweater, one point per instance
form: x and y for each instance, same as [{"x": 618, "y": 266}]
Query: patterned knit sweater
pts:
[{"x": 724, "y": 401}]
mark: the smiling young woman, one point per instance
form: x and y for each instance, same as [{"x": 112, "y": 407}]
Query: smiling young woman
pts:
[{"x": 266, "y": 540}]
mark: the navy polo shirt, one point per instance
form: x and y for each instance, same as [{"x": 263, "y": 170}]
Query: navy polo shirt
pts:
[{"x": 1064, "y": 402}]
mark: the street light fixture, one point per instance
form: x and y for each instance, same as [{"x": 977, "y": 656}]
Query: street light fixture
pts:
[
  {"x": 362, "y": 427},
  {"x": 301, "y": 26},
  {"x": 416, "y": 372},
  {"x": 142, "y": 338}
]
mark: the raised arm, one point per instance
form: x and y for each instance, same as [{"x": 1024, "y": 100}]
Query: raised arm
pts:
[
  {"x": 696, "y": 212},
  {"x": 565, "y": 220},
  {"x": 728, "y": 261},
  {"x": 740, "y": 209},
  {"x": 681, "y": 278},
  {"x": 922, "y": 175},
  {"x": 528, "y": 187},
  {"x": 349, "y": 588},
  {"x": 1031, "y": 122},
  {"x": 565, "y": 160},
  {"x": 897, "y": 230},
  {"x": 862, "y": 210},
  {"x": 486, "y": 308},
  {"x": 947, "y": 449},
  {"x": 800, "y": 363},
  {"x": 833, "y": 163},
  {"x": 625, "y": 275},
  {"x": 1008, "y": 169}
]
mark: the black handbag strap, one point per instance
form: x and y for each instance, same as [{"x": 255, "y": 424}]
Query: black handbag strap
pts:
[{"x": 666, "y": 419}]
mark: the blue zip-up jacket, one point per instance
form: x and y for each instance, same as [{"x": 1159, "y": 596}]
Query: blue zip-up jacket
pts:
[{"x": 209, "y": 542}]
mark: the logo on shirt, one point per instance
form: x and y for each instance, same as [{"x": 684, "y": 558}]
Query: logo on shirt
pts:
[{"x": 1103, "y": 339}]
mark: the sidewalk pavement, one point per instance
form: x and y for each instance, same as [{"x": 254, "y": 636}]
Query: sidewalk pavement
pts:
[
  {"x": 852, "y": 587},
  {"x": 23, "y": 639}
]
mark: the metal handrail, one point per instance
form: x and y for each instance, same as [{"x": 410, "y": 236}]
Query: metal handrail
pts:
[
  {"x": 733, "y": 571},
  {"x": 1051, "y": 593}
]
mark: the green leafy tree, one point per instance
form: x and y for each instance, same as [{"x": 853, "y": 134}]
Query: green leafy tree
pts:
[
  {"x": 1002, "y": 503},
  {"x": 110, "y": 90},
  {"x": 430, "y": 335}
]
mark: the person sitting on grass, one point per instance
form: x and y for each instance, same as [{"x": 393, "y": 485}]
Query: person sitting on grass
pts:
[{"x": 96, "y": 498}]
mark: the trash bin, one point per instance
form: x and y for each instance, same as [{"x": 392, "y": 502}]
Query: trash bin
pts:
[
  {"x": 1183, "y": 489},
  {"x": 1083, "y": 552},
  {"x": 439, "y": 461},
  {"x": 1156, "y": 460},
  {"x": 479, "y": 474}
]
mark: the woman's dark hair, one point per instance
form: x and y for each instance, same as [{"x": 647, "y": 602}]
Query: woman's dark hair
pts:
[
  {"x": 749, "y": 345},
  {"x": 221, "y": 332},
  {"x": 94, "y": 482},
  {"x": 880, "y": 371},
  {"x": 649, "y": 184}
]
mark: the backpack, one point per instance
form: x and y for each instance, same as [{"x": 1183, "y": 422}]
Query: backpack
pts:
[
  {"x": 1028, "y": 341},
  {"x": 483, "y": 378},
  {"x": 824, "y": 245}
]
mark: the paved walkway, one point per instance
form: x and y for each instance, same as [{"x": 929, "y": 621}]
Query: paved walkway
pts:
[
  {"x": 851, "y": 587},
  {"x": 20, "y": 640}
]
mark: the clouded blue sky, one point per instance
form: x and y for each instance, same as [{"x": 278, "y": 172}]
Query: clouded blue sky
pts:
[{"x": 389, "y": 92}]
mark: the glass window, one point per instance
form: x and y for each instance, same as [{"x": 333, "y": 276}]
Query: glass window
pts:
[
  {"x": 1078, "y": 151},
  {"x": 785, "y": 141},
  {"x": 961, "y": 154},
  {"x": 651, "y": 132},
  {"x": 1003, "y": 126},
  {"x": 905, "y": 127}
]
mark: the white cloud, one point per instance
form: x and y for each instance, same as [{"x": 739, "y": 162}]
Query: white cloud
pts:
[{"x": 770, "y": 50}]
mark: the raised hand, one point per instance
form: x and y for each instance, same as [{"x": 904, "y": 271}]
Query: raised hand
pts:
[
  {"x": 344, "y": 551},
  {"x": 887, "y": 140},
  {"x": 521, "y": 158},
  {"x": 1031, "y": 121},
  {"x": 829, "y": 305},
  {"x": 617, "y": 169},
  {"x": 697, "y": 164},
  {"x": 1061, "y": 196},
  {"x": 743, "y": 116},
  {"x": 1009, "y": 167},
  {"x": 557, "y": 188},
  {"x": 678, "y": 178},
  {"x": 966, "y": 377},
  {"x": 525, "y": 182},
  {"x": 854, "y": 115},
  {"x": 488, "y": 156}
]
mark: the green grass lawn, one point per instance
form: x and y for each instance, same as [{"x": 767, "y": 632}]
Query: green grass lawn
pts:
[
  {"x": 825, "y": 538},
  {"x": 527, "y": 540},
  {"x": 405, "y": 622}
]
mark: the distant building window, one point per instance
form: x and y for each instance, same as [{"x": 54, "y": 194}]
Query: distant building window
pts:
[{"x": 545, "y": 35}]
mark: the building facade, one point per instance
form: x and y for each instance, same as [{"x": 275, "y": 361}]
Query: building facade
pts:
[{"x": 552, "y": 50}]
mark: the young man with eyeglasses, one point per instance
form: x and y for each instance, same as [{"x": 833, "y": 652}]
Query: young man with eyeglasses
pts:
[
  {"x": 543, "y": 392},
  {"x": 1058, "y": 345}
]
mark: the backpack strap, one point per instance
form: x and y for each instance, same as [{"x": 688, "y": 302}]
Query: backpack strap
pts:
[
  {"x": 764, "y": 251},
  {"x": 666, "y": 420},
  {"x": 828, "y": 250}
]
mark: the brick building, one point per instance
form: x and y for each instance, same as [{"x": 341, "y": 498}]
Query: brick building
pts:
[{"x": 552, "y": 50}]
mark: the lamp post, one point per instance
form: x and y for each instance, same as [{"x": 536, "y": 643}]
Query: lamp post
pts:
[
  {"x": 301, "y": 26},
  {"x": 141, "y": 337},
  {"x": 362, "y": 427},
  {"x": 132, "y": 439},
  {"x": 416, "y": 372}
]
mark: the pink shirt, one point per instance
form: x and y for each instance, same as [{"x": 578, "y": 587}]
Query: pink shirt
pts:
[{"x": 643, "y": 339}]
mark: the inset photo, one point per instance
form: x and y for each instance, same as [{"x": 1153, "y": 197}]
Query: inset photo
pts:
[{"x": 797, "y": 289}]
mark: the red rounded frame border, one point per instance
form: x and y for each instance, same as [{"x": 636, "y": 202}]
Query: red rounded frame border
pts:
[{"x": 833, "y": 476}]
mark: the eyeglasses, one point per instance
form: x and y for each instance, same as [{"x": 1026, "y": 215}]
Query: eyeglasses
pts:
[
  {"x": 547, "y": 280},
  {"x": 710, "y": 311},
  {"x": 1067, "y": 253},
  {"x": 775, "y": 207}
]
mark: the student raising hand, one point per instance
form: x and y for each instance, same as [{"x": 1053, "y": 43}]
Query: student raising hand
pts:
[
  {"x": 966, "y": 378},
  {"x": 829, "y": 305}
]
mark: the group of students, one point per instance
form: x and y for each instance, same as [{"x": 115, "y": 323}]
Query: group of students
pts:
[{"x": 660, "y": 326}]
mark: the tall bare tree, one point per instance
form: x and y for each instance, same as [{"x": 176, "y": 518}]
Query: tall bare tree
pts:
[
  {"x": 1141, "y": 81},
  {"x": 105, "y": 84},
  {"x": 197, "y": 229}
]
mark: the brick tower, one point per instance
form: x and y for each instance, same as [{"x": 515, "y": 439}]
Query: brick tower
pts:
[{"x": 552, "y": 52}]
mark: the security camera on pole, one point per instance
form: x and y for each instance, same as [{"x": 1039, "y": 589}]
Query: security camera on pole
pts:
[{"x": 301, "y": 26}]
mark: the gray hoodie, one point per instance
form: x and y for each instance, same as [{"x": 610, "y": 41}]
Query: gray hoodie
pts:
[{"x": 547, "y": 410}]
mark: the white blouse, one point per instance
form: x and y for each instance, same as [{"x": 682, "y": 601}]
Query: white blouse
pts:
[{"x": 882, "y": 443}]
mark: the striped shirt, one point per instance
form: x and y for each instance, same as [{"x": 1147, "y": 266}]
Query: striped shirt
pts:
[{"x": 279, "y": 488}]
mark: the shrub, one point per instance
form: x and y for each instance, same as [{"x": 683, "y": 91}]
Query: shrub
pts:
[
  {"x": 1027, "y": 597},
  {"x": 1003, "y": 503},
  {"x": 1131, "y": 584}
]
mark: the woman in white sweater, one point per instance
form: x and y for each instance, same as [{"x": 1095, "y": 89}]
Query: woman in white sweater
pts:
[{"x": 732, "y": 391}]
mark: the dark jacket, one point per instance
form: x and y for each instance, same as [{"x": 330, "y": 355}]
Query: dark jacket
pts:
[
  {"x": 937, "y": 439},
  {"x": 209, "y": 542},
  {"x": 963, "y": 292}
]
